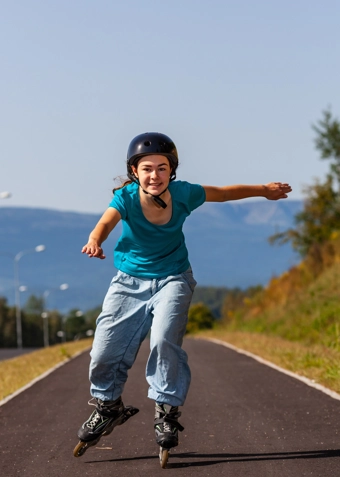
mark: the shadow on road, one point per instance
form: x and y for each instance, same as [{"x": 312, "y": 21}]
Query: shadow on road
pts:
[{"x": 221, "y": 458}]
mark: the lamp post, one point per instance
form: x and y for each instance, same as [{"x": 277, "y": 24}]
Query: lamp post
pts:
[
  {"x": 44, "y": 315},
  {"x": 18, "y": 256}
]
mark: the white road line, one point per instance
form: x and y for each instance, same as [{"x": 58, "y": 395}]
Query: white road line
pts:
[
  {"x": 307, "y": 381},
  {"x": 39, "y": 378}
]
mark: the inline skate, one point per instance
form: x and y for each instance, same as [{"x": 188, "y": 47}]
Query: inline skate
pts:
[
  {"x": 166, "y": 430},
  {"x": 106, "y": 416}
]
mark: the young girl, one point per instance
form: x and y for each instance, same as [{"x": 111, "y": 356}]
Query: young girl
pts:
[{"x": 152, "y": 289}]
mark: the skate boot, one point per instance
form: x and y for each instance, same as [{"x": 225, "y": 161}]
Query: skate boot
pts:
[
  {"x": 106, "y": 416},
  {"x": 166, "y": 429}
]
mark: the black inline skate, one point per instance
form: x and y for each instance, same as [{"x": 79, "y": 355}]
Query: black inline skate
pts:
[
  {"x": 106, "y": 416},
  {"x": 166, "y": 430}
]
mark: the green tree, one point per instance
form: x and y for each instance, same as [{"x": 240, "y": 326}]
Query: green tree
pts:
[
  {"x": 54, "y": 325},
  {"x": 199, "y": 318},
  {"x": 91, "y": 317},
  {"x": 320, "y": 216},
  {"x": 327, "y": 141},
  {"x": 8, "y": 337},
  {"x": 33, "y": 323},
  {"x": 34, "y": 305},
  {"x": 75, "y": 325},
  {"x": 316, "y": 222},
  {"x": 32, "y": 330}
]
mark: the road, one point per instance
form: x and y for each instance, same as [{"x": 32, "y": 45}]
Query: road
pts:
[{"x": 241, "y": 419}]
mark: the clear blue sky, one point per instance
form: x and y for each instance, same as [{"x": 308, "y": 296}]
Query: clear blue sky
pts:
[{"x": 236, "y": 84}]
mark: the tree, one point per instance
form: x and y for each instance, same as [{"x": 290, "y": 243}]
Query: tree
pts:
[
  {"x": 199, "y": 318},
  {"x": 320, "y": 216},
  {"x": 327, "y": 141},
  {"x": 34, "y": 305},
  {"x": 75, "y": 325},
  {"x": 8, "y": 337}
]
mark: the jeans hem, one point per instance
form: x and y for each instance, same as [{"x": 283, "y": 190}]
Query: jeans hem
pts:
[{"x": 165, "y": 399}]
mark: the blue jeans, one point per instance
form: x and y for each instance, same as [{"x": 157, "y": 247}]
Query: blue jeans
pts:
[{"x": 131, "y": 307}]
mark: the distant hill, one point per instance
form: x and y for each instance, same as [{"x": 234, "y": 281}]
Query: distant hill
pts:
[{"x": 227, "y": 246}]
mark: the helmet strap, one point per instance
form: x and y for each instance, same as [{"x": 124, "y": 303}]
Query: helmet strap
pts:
[{"x": 157, "y": 198}]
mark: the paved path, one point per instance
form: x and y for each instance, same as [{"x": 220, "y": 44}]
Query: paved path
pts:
[{"x": 241, "y": 419}]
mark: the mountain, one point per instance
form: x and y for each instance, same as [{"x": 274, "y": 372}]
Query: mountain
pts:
[{"x": 227, "y": 245}]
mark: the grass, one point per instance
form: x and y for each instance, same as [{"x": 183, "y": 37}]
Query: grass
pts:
[
  {"x": 316, "y": 362},
  {"x": 17, "y": 372},
  {"x": 310, "y": 317}
]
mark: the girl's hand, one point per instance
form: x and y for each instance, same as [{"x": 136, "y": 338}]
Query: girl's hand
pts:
[
  {"x": 106, "y": 224},
  {"x": 276, "y": 190},
  {"x": 92, "y": 249}
]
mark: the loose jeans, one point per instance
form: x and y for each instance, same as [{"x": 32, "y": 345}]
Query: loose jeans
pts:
[{"x": 131, "y": 307}]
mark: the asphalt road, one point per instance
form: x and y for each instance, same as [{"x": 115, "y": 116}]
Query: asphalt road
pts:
[{"x": 241, "y": 419}]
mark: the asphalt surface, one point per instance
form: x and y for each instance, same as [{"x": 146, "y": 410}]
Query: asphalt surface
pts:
[{"x": 241, "y": 419}]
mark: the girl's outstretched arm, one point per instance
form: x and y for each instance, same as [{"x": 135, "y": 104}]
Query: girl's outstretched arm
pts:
[
  {"x": 271, "y": 191},
  {"x": 102, "y": 230}
]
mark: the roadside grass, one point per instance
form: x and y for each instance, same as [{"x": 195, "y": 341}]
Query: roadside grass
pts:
[
  {"x": 310, "y": 316},
  {"x": 316, "y": 362},
  {"x": 17, "y": 372}
]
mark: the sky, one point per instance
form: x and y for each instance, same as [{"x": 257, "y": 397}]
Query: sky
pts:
[{"x": 236, "y": 84}]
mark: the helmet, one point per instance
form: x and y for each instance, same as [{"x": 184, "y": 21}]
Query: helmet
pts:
[{"x": 151, "y": 143}]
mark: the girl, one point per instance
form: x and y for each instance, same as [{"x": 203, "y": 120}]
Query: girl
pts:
[{"x": 152, "y": 289}]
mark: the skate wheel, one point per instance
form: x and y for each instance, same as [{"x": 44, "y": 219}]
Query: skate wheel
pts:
[
  {"x": 80, "y": 449},
  {"x": 163, "y": 457}
]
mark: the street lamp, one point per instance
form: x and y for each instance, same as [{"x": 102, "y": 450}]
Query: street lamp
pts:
[
  {"x": 44, "y": 315},
  {"x": 18, "y": 256},
  {"x": 5, "y": 195}
]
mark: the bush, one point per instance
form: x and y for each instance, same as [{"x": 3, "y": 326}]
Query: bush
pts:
[{"x": 199, "y": 318}]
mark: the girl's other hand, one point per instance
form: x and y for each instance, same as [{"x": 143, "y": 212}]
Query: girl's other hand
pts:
[
  {"x": 92, "y": 249},
  {"x": 277, "y": 190}
]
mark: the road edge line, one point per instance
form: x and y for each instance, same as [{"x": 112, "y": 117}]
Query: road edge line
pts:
[
  {"x": 309, "y": 382},
  {"x": 40, "y": 377}
]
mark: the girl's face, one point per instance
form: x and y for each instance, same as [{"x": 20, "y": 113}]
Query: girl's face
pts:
[{"x": 153, "y": 173}]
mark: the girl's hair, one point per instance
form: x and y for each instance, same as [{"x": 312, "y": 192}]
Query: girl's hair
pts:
[{"x": 124, "y": 182}]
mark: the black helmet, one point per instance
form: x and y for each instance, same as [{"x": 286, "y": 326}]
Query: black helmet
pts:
[{"x": 151, "y": 143}]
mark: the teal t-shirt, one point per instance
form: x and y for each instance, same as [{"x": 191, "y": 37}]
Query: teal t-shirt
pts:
[{"x": 148, "y": 250}]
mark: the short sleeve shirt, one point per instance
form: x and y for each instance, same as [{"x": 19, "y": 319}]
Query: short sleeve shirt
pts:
[{"x": 149, "y": 250}]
